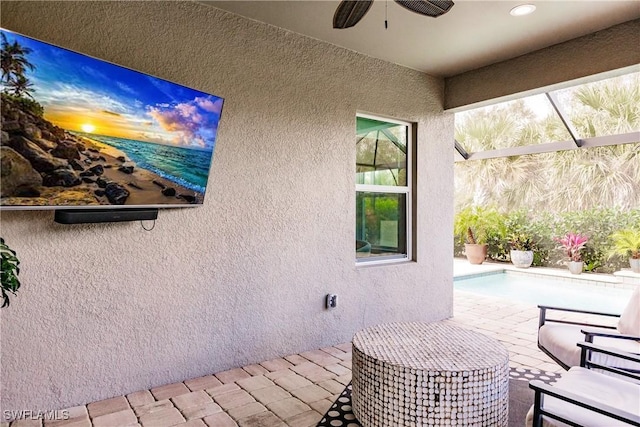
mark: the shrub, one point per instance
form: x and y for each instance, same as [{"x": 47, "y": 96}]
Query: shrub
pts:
[
  {"x": 572, "y": 245},
  {"x": 521, "y": 242},
  {"x": 626, "y": 243},
  {"x": 10, "y": 268},
  {"x": 598, "y": 224},
  {"x": 522, "y": 235},
  {"x": 486, "y": 225},
  {"x": 24, "y": 104}
]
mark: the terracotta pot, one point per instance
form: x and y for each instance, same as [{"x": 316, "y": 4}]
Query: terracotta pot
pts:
[
  {"x": 521, "y": 259},
  {"x": 575, "y": 267},
  {"x": 475, "y": 253},
  {"x": 635, "y": 265}
]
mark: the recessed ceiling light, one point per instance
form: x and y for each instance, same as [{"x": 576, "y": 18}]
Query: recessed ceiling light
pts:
[{"x": 523, "y": 9}]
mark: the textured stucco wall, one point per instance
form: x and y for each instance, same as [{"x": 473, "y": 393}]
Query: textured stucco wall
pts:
[
  {"x": 610, "y": 49},
  {"x": 110, "y": 309}
]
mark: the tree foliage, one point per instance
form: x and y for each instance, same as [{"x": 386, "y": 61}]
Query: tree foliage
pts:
[
  {"x": 14, "y": 64},
  {"x": 561, "y": 181},
  {"x": 24, "y": 104}
]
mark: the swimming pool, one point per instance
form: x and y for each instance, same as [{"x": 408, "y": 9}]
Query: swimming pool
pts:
[{"x": 546, "y": 291}]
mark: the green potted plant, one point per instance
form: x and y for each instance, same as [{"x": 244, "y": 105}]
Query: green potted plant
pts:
[
  {"x": 627, "y": 243},
  {"x": 572, "y": 245},
  {"x": 9, "y": 274},
  {"x": 475, "y": 251},
  {"x": 474, "y": 225},
  {"x": 521, "y": 252}
]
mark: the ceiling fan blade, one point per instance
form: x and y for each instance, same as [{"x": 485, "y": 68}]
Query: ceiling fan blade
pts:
[
  {"x": 432, "y": 8},
  {"x": 350, "y": 12}
]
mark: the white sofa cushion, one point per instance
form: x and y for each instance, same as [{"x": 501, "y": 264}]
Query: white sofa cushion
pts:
[
  {"x": 629, "y": 322},
  {"x": 561, "y": 340},
  {"x": 611, "y": 391}
]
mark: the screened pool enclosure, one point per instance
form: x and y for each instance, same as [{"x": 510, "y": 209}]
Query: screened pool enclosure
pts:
[{"x": 570, "y": 149}]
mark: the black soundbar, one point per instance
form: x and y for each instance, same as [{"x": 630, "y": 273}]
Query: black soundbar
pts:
[{"x": 81, "y": 216}]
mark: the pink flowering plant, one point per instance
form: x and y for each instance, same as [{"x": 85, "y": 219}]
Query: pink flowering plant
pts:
[{"x": 572, "y": 245}]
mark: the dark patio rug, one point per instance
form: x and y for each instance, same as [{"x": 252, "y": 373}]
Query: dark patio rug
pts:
[{"x": 520, "y": 400}]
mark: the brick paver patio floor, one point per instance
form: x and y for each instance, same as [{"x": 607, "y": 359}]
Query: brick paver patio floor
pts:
[{"x": 294, "y": 390}]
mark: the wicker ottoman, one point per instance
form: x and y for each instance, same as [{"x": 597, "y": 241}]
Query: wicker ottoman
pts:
[{"x": 429, "y": 374}]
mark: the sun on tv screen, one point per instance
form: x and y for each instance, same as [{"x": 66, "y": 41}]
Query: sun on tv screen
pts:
[{"x": 81, "y": 132}]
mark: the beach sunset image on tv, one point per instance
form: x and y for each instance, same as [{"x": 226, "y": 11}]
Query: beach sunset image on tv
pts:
[{"x": 78, "y": 131}]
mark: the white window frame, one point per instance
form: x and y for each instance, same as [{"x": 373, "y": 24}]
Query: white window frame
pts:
[{"x": 406, "y": 190}]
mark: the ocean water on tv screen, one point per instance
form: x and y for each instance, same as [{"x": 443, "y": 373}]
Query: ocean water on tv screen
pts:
[{"x": 186, "y": 167}]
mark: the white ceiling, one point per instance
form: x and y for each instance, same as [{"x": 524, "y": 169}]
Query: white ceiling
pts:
[{"x": 471, "y": 35}]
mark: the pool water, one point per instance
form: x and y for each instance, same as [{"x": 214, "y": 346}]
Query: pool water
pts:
[{"x": 547, "y": 291}]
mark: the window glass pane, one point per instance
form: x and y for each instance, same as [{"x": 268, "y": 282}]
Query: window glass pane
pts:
[
  {"x": 606, "y": 107},
  {"x": 381, "y": 152},
  {"x": 380, "y": 224},
  {"x": 527, "y": 121}
]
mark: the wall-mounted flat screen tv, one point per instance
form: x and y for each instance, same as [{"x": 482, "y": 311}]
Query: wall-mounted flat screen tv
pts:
[{"x": 79, "y": 132}]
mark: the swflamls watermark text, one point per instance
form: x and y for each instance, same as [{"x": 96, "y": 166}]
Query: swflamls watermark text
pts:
[{"x": 28, "y": 414}]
